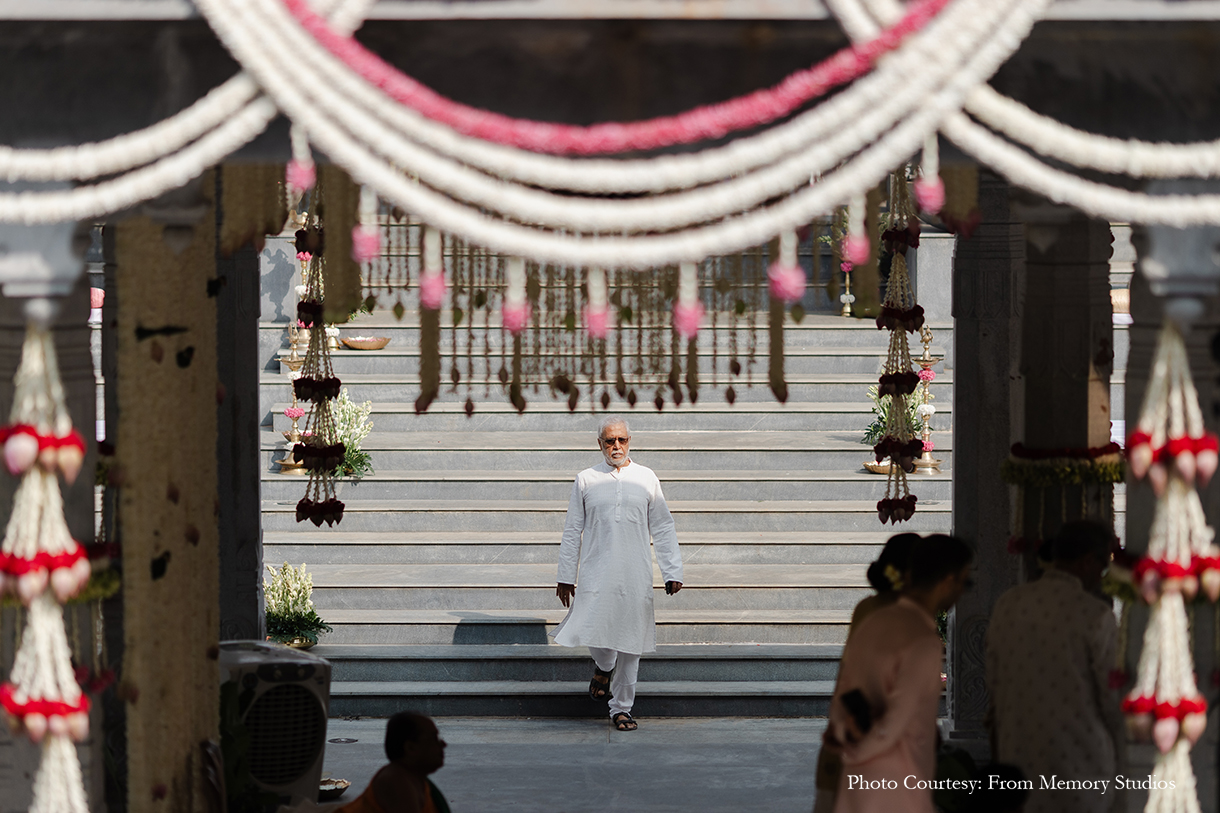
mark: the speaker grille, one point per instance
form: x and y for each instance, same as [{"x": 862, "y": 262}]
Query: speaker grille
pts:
[{"x": 287, "y": 727}]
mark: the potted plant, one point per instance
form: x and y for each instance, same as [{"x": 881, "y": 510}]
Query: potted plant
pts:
[
  {"x": 876, "y": 430},
  {"x": 290, "y": 615}
]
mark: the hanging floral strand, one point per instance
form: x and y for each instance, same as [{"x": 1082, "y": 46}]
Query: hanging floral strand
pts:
[
  {"x": 1171, "y": 448},
  {"x": 900, "y": 315},
  {"x": 432, "y": 289},
  {"x": 41, "y": 562},
  {"x": 320, "y": 450},
  {"x": 787, "y": 286}
]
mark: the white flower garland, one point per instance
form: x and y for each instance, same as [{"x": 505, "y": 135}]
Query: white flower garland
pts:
[
  {"x": 559, "y": 211},
  {"x": 337, "y": 90},
  {"x": 224, "y": 120},
  {"x": 1138, "y": 159},
  {"x": 866, "y": 169},
  {"x": 142, "y": 184},
  {"x": 181, "y": 147},
  {"x": 125, "y": 152},
  {"x": 1092, "y": 198}
]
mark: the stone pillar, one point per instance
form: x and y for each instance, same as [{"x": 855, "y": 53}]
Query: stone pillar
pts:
[
  {"x": 241, "y": 550},
  {"x": 166, "y": 458},
  {"x": 1067, "y": 358},
  {"x": 988, "y": 402}
]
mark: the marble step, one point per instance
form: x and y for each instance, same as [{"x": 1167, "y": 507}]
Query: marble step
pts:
[
  {"x": 815, "y": 330},
  {"x": 849, "y": 387},
  {"x": 547, "y": 415},
  {"x": 557, "y": 485},
  {"x": 530, "y": 587},
  {"x": 500, "y": 626},
  {"x": 533, "y": 515},
  {"x": 575, "y": 451},
  {"x": 695, "y": 698},
  {"x": 542, "y": 662},
  {"x": 405, "y": 361},
  {"x": 338, "y": 547}
]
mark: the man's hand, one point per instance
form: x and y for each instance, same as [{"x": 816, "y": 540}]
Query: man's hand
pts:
[
  {"x": 672, "y": 587},
  {"x": 565, "y": 593}
]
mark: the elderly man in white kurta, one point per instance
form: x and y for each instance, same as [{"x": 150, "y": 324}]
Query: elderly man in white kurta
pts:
[{"x": 616, "y": 508}]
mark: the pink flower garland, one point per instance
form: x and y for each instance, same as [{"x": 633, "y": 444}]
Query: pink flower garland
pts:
[
  {"x": 432, "y": 288},
  {"x": 787, "y": 282},
  {"x": 597, "y": 322},
  {"x": 515, "y": 317},
  {"x": 687, "y": 319},
  {"x": 930, "y": 194},
  {"x": 366, "y": 244},
  {"x": 300, "y": 175},
  {"x": 711, "y": 121}
]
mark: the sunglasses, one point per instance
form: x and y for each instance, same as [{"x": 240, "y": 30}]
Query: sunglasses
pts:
[{"x": 615, "y": 441}]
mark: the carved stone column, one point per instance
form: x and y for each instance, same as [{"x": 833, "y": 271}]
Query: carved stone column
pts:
[
  {"x": 1067, "y": 357},
  {"x": 988, "y": 406},
  {"x": 166, "y": 458}
]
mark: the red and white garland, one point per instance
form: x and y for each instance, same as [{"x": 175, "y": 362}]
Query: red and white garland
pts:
[
  {"x": 44, "y": 566},
  {"x": 1171, "y": 448}
]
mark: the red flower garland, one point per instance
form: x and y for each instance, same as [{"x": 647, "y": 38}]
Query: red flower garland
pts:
[
  {"x": 1208, "y": 442},
  {"x": 19, "y": 565},
  {"x": 47, "y": 708},
  {"x": 1174, "y": 570},
  {"x": 1144, "y": 704},
  {"x": 71, "y": 440}
]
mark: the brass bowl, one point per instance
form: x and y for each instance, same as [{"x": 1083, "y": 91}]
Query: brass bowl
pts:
[
  {"x": 375, "y": 343},
  {"x": 331, "y": 789}
]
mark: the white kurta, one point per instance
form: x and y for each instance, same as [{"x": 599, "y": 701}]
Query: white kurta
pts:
[{"x": 612, "y": 515}]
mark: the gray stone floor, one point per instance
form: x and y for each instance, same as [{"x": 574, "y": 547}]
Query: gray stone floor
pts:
[{"x": 569, "y": 765}]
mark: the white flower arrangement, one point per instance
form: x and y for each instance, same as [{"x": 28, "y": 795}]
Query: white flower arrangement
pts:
[
  {"x": 925, "y": 411},
  {"x": 290, "y": 613},
  {"x": 289, "y": 591},
  {"x": 352, "y": 427}
]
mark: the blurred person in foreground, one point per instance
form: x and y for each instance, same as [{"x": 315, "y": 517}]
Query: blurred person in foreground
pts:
[
  {"x": 1050, "y": 647},
  {"x": 883, "y": 714},
  {"x": 415, "y": 749},
  {"x": 888, "y": 576}
]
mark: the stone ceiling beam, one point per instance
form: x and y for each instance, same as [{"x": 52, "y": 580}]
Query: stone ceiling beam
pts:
[{"x": 1093, "y": 10}]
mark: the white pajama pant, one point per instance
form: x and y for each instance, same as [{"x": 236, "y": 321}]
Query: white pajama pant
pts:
[{"x": 622, "y": 683}]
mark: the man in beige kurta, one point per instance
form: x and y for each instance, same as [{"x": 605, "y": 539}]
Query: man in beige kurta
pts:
[{"x": 1050, "y": 647}]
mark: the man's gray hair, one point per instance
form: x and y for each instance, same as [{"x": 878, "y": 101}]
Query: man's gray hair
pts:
[{"x": 611, "y": 420}]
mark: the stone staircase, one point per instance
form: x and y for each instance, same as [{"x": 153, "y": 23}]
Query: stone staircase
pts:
[{"x": 440, "y": 581}]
